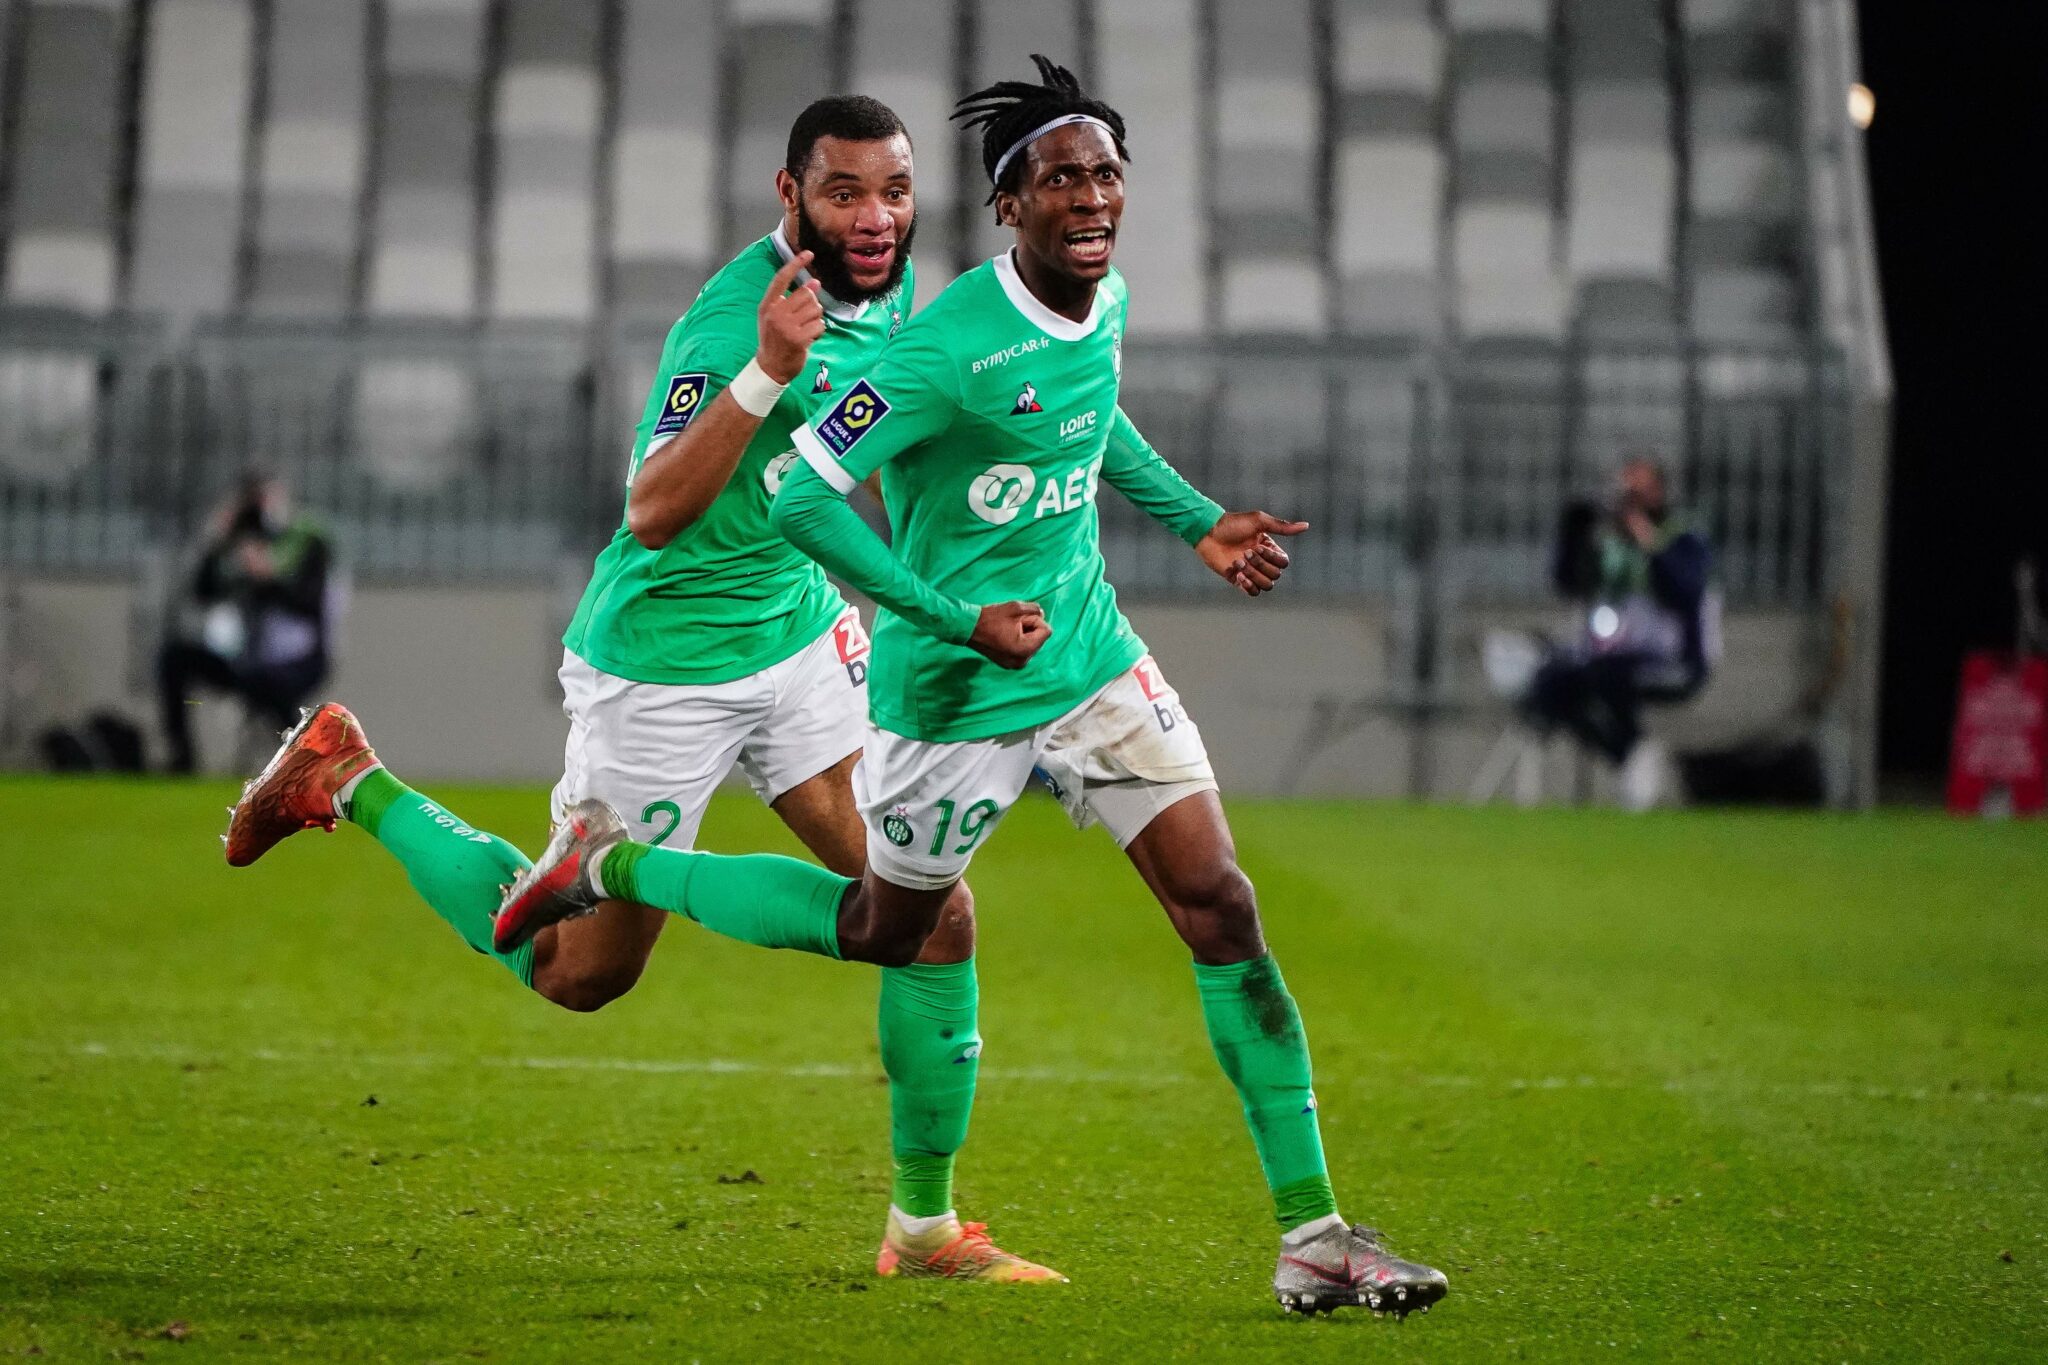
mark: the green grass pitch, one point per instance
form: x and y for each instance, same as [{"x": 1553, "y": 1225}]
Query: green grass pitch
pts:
[{"x": 1714, "y": 1087}]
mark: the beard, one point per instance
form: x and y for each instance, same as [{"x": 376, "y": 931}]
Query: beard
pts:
[{"x": 828, "y": 261}]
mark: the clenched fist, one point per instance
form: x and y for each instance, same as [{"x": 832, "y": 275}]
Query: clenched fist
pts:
[{"x": 1009, "y": 633}]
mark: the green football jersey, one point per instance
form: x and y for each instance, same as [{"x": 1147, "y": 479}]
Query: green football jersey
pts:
[
  {"x": 988, "y": 416},
  {"x": 729, "y": 596}
]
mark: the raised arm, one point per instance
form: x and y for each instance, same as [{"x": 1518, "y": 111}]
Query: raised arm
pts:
[
  {"x": 1237, "y": 546},
  {"x": 695, "y": 449}
]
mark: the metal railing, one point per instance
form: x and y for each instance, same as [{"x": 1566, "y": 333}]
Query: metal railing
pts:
[{"x": 464, "y": 455}]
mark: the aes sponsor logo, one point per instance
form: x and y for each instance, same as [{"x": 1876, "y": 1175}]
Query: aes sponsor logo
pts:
[{"x": 999, "y": 494}]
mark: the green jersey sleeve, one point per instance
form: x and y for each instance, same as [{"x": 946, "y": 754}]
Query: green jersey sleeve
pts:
[
  {"x": 815, "y": 517},
  {"x": 1132, "y": 467},
  {"x": 911, "y": 396},
  {"x": 701, "y": 358}
]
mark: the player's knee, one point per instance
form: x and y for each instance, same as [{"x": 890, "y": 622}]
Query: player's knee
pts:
[
  {"x": 1218, "y": 913},
  {"x": 952, "y": 939},
  {"x": 588, "y": 990},
  {"x": 867, "y": 935}
]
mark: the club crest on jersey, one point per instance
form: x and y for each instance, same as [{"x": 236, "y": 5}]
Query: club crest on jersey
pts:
[
  {"x": 1027, "y": 401},
  {"x": 896, "y": 827},
  {"x": 776, "y": 470},
  {"x": 851, "y": 418},
  {"x": 685, "y": 396},
  {"x": 824, "y": 381}
]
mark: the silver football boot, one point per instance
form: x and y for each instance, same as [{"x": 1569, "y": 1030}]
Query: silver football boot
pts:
[
  {"x": 558, "y": 885},
  {"x": 1348, "y": 1267}
]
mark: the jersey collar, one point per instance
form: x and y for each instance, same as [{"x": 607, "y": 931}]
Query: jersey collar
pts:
[
  {"x": 834, "y": 309},
  {"x": 1036, "y": 313}
]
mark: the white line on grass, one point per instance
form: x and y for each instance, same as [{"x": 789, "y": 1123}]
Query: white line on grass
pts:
[{"x": 717, "y": 1066}]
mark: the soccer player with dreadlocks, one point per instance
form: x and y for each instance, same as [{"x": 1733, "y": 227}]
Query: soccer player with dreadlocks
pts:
[{"x": 992, "y": 418}]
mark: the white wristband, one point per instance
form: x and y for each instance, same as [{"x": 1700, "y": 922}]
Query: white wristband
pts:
[{"x": 754, "y": 391}]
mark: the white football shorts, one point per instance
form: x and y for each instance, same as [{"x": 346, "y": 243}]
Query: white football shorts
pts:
[
  {"x": 1118, "y": 759},
  {"x": 657, "y": 751}
]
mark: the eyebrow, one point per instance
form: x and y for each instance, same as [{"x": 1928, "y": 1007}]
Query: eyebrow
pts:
[{"x": 849, "y": 175}]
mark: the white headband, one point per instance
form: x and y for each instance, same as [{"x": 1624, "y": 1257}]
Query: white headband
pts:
[{"x": 1003, "y": 161}]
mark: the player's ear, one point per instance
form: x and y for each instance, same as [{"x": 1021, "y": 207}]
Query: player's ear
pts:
[
  {"x": 787, "y": 190},
  {"x": 1007, "y": 211}
]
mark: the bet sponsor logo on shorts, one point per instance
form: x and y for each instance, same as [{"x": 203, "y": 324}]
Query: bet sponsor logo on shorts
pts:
[
  {"x": 999, "y": 494},
  {"x": 851, "y": 418},
  {"x": 685, "y": 396}
]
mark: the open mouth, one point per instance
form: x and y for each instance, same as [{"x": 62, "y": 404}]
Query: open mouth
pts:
[
  {"x": 871, "y": 256},
  {"x": 1089, "y": 244}
]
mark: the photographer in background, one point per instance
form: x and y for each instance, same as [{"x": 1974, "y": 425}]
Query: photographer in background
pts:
[
  {"x": 1652, "y": 629},
  {"x": 260, "y": 594}
]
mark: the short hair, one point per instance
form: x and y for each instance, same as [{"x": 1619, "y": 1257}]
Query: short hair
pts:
[
  {"x": 1009, "y": 110},
  {"x": 855, "y": 118}
]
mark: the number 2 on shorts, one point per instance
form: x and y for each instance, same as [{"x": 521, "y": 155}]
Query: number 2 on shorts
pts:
[{"x": 974, "y": 823}]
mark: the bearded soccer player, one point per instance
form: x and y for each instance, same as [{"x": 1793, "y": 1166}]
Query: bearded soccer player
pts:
[
  {"x": 1000, "y": 649},
  {"x": 705, "y": 639}
]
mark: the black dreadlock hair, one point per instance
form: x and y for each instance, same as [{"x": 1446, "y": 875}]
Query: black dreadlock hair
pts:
[{"x": 1008, "y": 110}]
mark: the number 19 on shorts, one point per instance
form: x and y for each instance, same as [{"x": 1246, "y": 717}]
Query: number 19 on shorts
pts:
[{"x": 974, "y": 823}]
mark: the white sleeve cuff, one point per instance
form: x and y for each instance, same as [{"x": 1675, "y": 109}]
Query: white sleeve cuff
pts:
[{"x": 817, "y": 457}]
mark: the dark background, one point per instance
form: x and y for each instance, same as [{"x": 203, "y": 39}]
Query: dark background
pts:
[{"x": 1956, "y": 153}]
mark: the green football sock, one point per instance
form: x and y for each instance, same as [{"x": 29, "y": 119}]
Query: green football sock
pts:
[
  {"x": 932, "y": 1052},
  {"x": 758, "y": 898},
  {"x": 456, "y": 869},
  {"x": 1258, "y": 1038}
]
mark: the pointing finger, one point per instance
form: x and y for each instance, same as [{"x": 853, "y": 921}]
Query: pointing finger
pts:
[{"x": 786, "y": 276}]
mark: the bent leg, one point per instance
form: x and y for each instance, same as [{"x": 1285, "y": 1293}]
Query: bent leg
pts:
[
  {"x": 457, "y": 869},
  {"x": 1189, "y": 861}
]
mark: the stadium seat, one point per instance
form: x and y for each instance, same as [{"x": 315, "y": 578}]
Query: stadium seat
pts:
[
  {"x": 1742, "y": 245},
  {"x": 1504, "y": 245},
  {"x": 664, "y": 216},
  {"x": 67, "y": 136},
  {"x": 1007, "y": 32},
  {"x": 1388, "y": 196},
  {"x": 414, "y": 422},
  {"x": 1268, "y": 203},
  {"x": 780, "y": 47},
  {"x": 1622, "y": 174},
  {"x": 195, "y": 99},
  {"x": 903, "y": 51},
  {"x": 1150, "y": 65},
  {"x": 422, "y": 252},
  {"x": 548, "y": 101}
]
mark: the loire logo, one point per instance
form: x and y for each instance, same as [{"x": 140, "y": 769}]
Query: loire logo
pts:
[
  {"x": 999, "y": 494},
  {"x": 1027, "y": 401},
  {"x": 685, "y": 396},
  {"x": 824, "y": 384},
  {"x": 777, "y": 470},
  {"x": 1077, "y": 426}
]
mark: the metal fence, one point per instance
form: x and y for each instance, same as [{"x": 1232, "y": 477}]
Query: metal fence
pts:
[{"x": 497, "y": 455}]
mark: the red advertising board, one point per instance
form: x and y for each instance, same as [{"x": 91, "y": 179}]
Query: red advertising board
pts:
[{"x": 1998, "y": 763}]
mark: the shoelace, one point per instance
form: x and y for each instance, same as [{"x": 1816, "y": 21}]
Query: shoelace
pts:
[{"x": 971, "y": 1246}]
